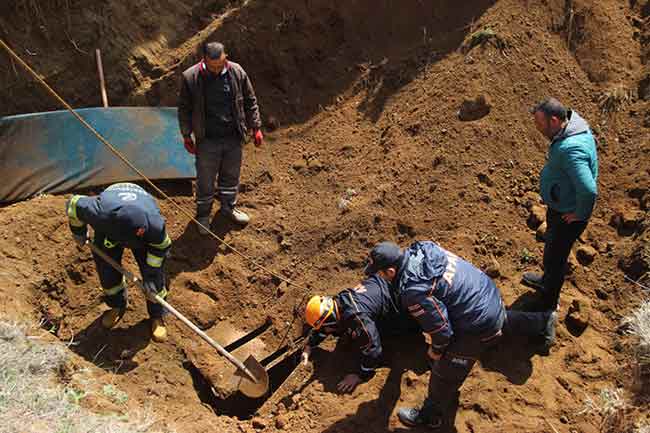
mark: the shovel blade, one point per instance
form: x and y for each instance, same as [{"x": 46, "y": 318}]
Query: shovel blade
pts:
[{"x": 247, "y": 386}]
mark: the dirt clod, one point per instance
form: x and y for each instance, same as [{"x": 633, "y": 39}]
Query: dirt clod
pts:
[
  {"x": 281, "y": 422},
  {"x": 474, "y": 109},
  {"x": 493, "y": 270},
  {"x": 578, "y": 317},
  {"x": 536, "y": 216},
  {"x": 627, "y": 221},
  {"x": 586, "y": 254},
  {"x": 259, "y": 423}
]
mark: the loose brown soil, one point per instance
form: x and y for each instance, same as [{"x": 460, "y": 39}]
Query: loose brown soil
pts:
[{"x": 364, "y": 143}]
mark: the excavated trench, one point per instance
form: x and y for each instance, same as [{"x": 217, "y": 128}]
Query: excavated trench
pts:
[
  {"x": 279, "y": 363},
  {"x": 238, "y": 405}
]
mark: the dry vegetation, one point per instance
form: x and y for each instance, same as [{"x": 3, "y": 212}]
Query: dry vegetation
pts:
[{"x": 33, "y": 400}]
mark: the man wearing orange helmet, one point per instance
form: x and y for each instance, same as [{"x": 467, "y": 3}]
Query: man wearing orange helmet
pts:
[{"x": 358, "y": 313}]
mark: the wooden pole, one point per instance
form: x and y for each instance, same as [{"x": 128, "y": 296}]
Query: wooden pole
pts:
[{"x": 100, "y": 71}]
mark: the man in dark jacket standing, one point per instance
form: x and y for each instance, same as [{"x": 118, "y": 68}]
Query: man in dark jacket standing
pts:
[
  {"x": 216, "y": 108},
  {"x": 460, "y": 312},
  {"x": 569, "y": 189}
]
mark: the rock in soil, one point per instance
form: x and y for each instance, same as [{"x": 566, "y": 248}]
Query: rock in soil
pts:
[{"x": 586, "y": 254}]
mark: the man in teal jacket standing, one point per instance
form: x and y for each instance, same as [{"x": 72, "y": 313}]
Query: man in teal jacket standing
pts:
[{"x": 568, "y": 187}]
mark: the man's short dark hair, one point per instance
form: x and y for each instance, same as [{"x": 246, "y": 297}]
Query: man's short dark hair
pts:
[
  {"x": 551, "y": 107},
  {"x": 212, "y": 50}
]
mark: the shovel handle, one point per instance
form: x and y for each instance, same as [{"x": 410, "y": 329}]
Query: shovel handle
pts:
[{"x": 129, "y": 276}]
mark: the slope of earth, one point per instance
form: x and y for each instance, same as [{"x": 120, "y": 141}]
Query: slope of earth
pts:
[
  {"x": 373, "y": 149},
  {"x": 58, "y": 38}
]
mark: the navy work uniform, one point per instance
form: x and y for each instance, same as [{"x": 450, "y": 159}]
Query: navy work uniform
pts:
[
  {"x": 124, "y": 216},
  {"x": 461, "y": 314},
  {"x": 364, "y": 311}
]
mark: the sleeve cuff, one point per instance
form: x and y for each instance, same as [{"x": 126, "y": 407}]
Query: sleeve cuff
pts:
[
  {"x": 366, "y": 373},
  {"x": 78, "y": 230}
]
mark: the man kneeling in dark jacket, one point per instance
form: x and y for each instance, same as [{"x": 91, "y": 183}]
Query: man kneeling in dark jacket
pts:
[
  {"x": 363, "y": 313},
  {"x": 460, "y": 311}
]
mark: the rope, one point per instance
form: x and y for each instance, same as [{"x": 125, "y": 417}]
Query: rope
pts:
[{"x": 140, "y": 173}]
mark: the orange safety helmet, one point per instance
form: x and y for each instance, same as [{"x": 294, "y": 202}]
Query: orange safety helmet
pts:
[{"x": 321, "y": 311}]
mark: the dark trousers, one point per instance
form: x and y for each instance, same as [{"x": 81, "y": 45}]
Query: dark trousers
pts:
[
  {"x": 115, "y": 290},
  {"x": 218, "y": 160},
  {"x": 396, "y": 325},
  {"x": 451, "y": 370},
  {"x": 560, "y": 238},
  {"x": 526, "y": 323}
]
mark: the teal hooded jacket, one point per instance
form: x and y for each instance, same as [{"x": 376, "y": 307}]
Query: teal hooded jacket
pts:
[{"x": 568, "y": 181}]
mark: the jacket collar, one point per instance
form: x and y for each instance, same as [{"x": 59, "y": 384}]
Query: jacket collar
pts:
[
  {"x": 575, "y": 125},
  {"x": 203, "y": 68}
]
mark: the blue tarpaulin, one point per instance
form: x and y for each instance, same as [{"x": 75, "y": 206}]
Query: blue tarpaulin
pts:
[{"x": 54, "y": 153}]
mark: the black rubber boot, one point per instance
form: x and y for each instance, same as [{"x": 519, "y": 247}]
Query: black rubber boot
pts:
[
  {"x": 533, "y": 280},
  {"x": 414, "y": 417}
]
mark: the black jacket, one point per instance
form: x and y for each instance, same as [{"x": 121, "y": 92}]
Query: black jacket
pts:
[{"x": 191, "y": 101}]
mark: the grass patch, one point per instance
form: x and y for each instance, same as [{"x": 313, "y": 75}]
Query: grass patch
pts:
[
  {"x": 483, "y": 37},
  {"x": 615, "y": 99},
  {"x": 610, "y": 405},
  {"x": 32, "y": 399},
  {"x": 527, "y": 257},
  {"x": 638, "y": 325}
]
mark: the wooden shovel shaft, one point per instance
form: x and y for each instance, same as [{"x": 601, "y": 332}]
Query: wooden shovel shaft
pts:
[{"x": 129, "y": 276}]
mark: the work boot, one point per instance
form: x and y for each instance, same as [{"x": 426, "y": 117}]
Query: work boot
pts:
[
  {"x": 533, "y": 280},
  {"x": 111, "y": 317},
  {"x": 205, "y": 221},
  {"x": 235, "y": 214},
  {"x": 158, "y": 330},
  {"x": 549, "y": 331},
  {"x": 414, "y": 417}
]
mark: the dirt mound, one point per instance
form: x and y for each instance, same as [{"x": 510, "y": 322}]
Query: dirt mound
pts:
[
  {"x": 369, "y": 147},
  {"x": 138, "y": 40}
]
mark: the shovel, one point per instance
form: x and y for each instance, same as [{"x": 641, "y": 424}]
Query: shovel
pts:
[{"x": 254, "y": 381}]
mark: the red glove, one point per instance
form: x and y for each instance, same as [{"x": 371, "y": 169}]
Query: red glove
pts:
[
  {"x": 259, "y": 138},
  {"x": 189, "y": 145}
]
